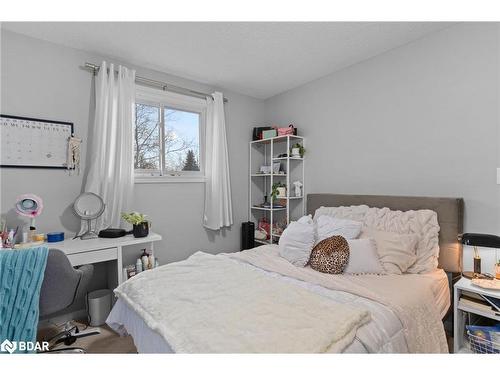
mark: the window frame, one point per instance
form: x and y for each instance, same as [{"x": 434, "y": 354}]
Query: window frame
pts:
[{"x": 164, "y": 99}]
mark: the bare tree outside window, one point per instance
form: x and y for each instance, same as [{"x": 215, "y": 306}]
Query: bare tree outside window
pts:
[
  {"x": 181, "y": 139},
  {"x": 146, "y": 137}
]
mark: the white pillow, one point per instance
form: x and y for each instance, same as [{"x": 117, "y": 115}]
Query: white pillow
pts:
[
  {"x": 328, "y": 226},
  {"x": 423, "y": 223},
  {"x": 297, "y": 242},
  {"x": 397, "y": 252},
  {"x": 363, "y": 257},
  {"x": 306, "y": 220}
]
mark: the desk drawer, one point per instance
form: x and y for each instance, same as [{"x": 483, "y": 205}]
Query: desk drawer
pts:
[{"x": 95, "y": 256}]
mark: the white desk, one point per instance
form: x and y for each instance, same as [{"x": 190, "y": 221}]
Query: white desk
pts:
[{"x": 101, "y": 250}]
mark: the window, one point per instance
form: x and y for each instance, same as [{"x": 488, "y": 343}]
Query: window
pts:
[
  {"x": 146, "y": 138},
  {"x": 168, "y": 137},
  {"x": 182, "y": 140}
]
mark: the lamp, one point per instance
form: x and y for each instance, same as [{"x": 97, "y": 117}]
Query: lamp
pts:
[
  {"x": 482, "y": 240},
  {"x": 29, "y": 205}
]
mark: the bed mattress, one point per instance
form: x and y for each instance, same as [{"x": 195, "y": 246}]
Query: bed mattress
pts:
[{"x": 383, "y": 334}]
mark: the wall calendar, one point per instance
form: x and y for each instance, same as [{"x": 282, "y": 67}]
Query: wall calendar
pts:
[{"x": 34, "y": 143}]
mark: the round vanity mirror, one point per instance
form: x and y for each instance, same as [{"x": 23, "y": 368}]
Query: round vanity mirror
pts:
[{"x": 88, "y": 206}]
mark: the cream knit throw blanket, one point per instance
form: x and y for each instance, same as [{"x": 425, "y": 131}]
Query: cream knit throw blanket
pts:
[{"x": 214, "y": 304}]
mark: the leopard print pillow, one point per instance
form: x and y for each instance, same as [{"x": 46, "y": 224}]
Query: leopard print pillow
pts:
[{"x": 330, "y": 255}]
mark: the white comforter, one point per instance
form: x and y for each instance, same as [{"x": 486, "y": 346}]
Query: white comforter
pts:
[
  {"x": 384, "y": 333},
  {"x": 214, "y": 304},
  {"x": 412, "y": 302}
]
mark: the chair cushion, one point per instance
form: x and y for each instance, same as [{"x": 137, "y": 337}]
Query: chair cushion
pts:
[{"x": 59, "y": 283}]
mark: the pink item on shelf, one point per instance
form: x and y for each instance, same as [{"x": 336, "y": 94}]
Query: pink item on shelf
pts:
[
  {"x": 265, "y": 226},
  {"x": 286, "y": 131}
]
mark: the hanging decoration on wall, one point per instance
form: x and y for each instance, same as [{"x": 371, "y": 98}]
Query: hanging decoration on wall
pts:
[{"x": 74, "y": 149}]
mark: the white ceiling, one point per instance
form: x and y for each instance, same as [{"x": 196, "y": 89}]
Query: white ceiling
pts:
[{"x": 256, "y": 59}]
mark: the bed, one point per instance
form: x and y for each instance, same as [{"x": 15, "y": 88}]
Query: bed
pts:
[{"x": 388, "y": 330}]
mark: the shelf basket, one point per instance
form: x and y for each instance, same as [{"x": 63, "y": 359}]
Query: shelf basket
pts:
[{"x": 480, "y": 345}]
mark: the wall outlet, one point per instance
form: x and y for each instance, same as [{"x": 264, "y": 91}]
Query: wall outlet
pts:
[{"x": 498, "y": 176}]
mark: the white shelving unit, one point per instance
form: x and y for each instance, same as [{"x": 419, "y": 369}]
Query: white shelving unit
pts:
[
  {"x": 266, "y": 152},
  {"x": 461, "y": 312}
]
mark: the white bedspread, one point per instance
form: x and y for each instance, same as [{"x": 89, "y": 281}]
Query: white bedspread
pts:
[
  {"x": 383, "y": 334},
  {"x": 409, "y": 296},
  {"x": 218, "y": 305}
]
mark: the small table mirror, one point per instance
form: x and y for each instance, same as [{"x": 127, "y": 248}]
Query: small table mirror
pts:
[{"x": 88, "y": 206}]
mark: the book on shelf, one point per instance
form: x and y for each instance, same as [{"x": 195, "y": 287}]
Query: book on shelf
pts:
[
  {"x": 472, "y": 295},
  {"x": 475, "y": 303},
  {"x": 483, "y": 299}
]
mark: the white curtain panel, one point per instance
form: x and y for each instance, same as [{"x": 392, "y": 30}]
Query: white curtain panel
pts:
[
  {"x": 111, "y": 173},
  {"x": 218, "y": 210}
]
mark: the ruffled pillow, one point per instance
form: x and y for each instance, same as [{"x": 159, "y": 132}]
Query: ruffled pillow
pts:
[
  {"x": 328, "y": 226},
  {"x": 423, "y": 223}
]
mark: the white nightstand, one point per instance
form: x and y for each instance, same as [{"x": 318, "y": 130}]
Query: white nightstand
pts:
[{"x": 460, "y": 313}]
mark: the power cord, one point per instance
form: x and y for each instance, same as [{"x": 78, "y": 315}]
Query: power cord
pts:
[{"x": 88, "y": 310}]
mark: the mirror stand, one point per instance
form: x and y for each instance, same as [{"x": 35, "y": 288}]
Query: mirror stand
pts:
[
  {"x": 88, "y": 206},
  {"x": 89, "y": 233}
]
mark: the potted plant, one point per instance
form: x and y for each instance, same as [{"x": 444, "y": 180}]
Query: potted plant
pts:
[
  {"x": 140, "y": 226},
  {"x": 298, "y": 150},
  {"x": 278, "y": 190}
]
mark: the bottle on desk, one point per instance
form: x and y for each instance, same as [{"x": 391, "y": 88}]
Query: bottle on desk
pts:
[
  {"x": 138, "y": 266},
  {"x": 31, "y": 235}
]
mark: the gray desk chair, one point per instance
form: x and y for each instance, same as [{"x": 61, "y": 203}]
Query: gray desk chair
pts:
[{"x": 62, "y": 286}]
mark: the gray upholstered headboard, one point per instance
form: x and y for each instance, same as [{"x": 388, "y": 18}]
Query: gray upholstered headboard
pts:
[{"x": 449, "y": 211}]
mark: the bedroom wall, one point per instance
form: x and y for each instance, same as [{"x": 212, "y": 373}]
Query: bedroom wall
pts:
[
  {"x": 421, "y": 119},
  {"x": 44, "y": 80}
]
